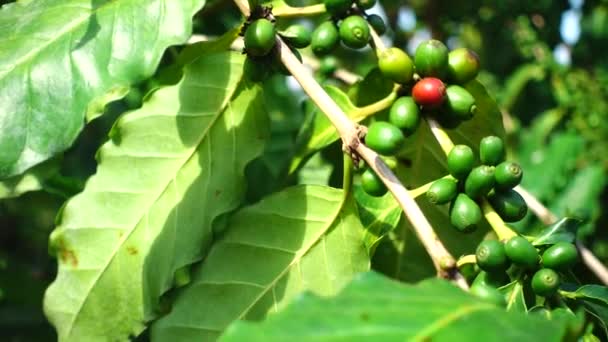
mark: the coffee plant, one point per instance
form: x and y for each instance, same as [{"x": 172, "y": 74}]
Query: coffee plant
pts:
[{"x": 266, "y": 171}]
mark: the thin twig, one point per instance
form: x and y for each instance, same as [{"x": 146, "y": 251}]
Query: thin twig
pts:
[
  {"x": 290, "y": 11},
  {"x": 444, "y": 262},
  {"x": 547, "y": 217}
]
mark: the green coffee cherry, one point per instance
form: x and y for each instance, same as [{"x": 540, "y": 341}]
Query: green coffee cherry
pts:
[
  {"x": 480, "y": 181},
  {"x": 463, "y": 65},
  {"x": 405, "y": 114},
  {"x": 494, "y": 279},
  {"x": 337, "y": 7},
  {"x": 509, "y": 205},
  {"x": 507, "y": 175},
  {"x": 491, "y": 150},
  {"x": 545, "y": 282},
  {"x": 396, "y": 65},
  {"x": 384, "y": 138},
  {"x": 365, "y": 4},
  {"x": 521, "y": 252},
  {"x": 297, "y": 36},
  {"x": 431, "y": 59},
  {"x": 324, "y": 38},
  {"x": 260, "y": 37},
  {"x": 442, "y": 191},
  {"x": 372, "y": 184},
  {"x": 377, "y": 23},
  {"x": 354, "y": 32},
  {"x": 489, "y": 294},
  {"x": 460, "y": 102},
  {"x": 491, "y": 256},
  {"x": 328, "y": 65},
  {"x": 465, "y": 214},
  {"x": 460, "y": 161},
  {"x": 561, "y": 256}
]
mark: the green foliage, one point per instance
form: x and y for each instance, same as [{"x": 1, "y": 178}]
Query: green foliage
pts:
[
  {"x": 269, "y": 252},
  {"x": 161, "y": 197},
  {"x": 99, "y": 48},
  {"x": 373, "y": 307}
]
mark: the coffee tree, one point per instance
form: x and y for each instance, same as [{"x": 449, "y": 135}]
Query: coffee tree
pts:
[{"x": 383, "y": 207}]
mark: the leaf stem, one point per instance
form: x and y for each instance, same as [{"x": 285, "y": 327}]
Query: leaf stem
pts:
[
  {"x": 466, "y": 259},
  {"x": 371, "y": 109},
  {"x": 441, "y": 136},
  {"x": 289, "y": 11},
  {"x": 444, "y": 262},
  {"x": 347, "y": 176},
  {"x": 503, "y": 232}
]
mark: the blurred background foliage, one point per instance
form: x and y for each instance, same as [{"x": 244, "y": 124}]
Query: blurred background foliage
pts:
[{"x": 545, "y": 62}]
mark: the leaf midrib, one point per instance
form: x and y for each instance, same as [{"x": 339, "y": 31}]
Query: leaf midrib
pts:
[
  {"x": 296, "y": 259},
  {"x": 144, "y": 213},
  {"x": 426, "y": 333}
]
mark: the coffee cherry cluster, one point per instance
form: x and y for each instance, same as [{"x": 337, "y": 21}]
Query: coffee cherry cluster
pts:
[
  {"x": 541, "y": 266},
  {"x": 494, "y": 179},
  {"x": 349, "y": 24}
]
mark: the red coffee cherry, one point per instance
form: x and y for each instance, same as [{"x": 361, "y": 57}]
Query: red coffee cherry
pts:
[{"x": 429, "y": 92}]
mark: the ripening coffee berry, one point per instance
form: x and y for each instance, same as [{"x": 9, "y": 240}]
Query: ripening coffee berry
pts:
[
  {"x": 508, "y": 204},
  {"x": 396, "y": 65},
  {"x": 354, "y": 32},
  {"x": 405, "y": 114},
  {"x": 384, "y": 138},
  {"x": 429, "y": 92},
  {"x": 377, "y": 23},
  {"x": 460, "y": 102},
  {"x": 365, "y": 4},
  {"x": 507, "y": 175},
  {"x": 463, "y": 65},
  {"x": 545, "y": 282},
  {"x": 297, "y": 36},
  {"x": 560, "y": 256},
  {"x": 337, "y": 7},
  {"x": 372, "y": 184},
  {"x": 480, "y": 181},
  {"x": 491, "y": 150},
  {"x": 324, "y": 38},
  {"x": 460, "y": 161},
  {"x": 493, "y": 279},
  {"x": 488, "y": 294},
  {"x": 442, "y": 191},
  {"x": 521, "y": 252},
  {"x": 260, "y": 37},
  {"x": 431, "y": 59},
  {"x": 465, "y": 214},
  {"x": 491, "y": 257}
]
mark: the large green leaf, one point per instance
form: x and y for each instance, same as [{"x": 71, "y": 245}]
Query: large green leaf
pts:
[
  {"x": 63, "y": 60},
  {"x": 169, "y": 170},
  {"x": 304, "y": 238},
  {"x": 373, "y": 308}
]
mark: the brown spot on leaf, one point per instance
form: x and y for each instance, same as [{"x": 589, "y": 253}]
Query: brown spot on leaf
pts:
[
  {"x": 132, "y": 250},
  {"x": 66, "y": 254},
  {"x": 218, "y": 193}
]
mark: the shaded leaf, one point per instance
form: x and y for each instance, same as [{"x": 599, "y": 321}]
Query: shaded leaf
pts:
[
  {"x": 379, "y": 216},
  {"x": 148, "y": 211},
  {"x": 562, "y": 230},
  {"x": 373, "y": 308},
  {"x": 304, "y": 238},
  {"x": 63, "y": 60}
]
